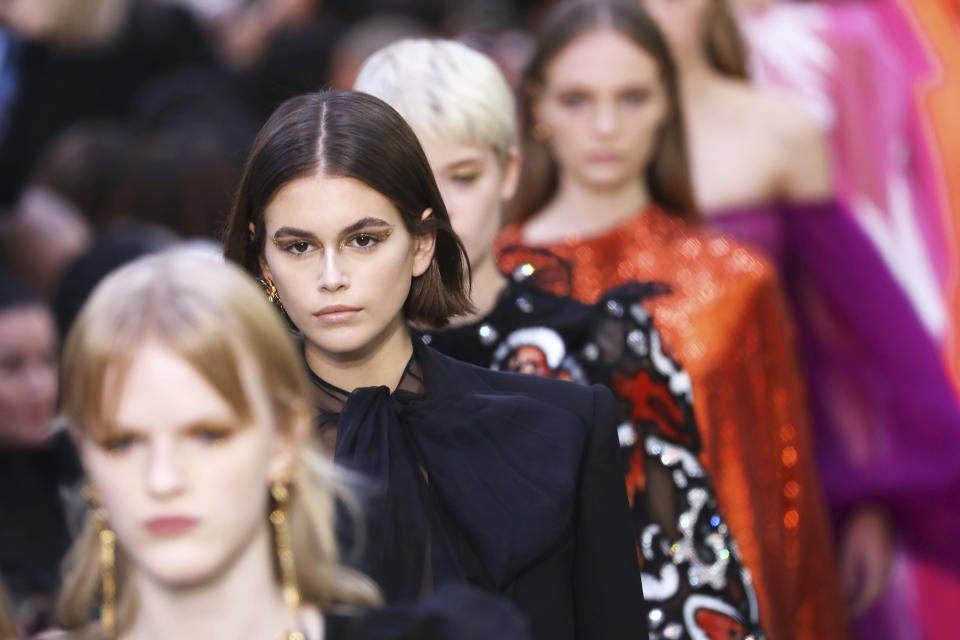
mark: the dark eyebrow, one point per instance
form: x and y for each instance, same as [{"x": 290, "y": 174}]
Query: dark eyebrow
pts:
[
  {"x": 364, "y": 223},
  {"x": 356, "y": 226},
  {"x": 293, "y": 231}
]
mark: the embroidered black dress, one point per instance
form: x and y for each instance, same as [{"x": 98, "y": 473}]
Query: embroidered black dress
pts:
[
  {"x": 505, "y": 481},
  {"x": 693, "y": 580}
]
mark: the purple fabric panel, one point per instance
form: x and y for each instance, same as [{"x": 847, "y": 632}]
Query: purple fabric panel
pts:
[{"x": 886, "y": 419}]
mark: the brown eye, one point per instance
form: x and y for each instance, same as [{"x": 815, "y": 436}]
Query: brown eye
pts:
[
  {"x": 118, "y": 443},
  {"x": 366, "y": 241},
  {"x": 298, "y": 247},
  {"x": 573, "y": 100}
]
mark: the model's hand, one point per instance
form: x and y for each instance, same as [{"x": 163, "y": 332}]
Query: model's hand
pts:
[{"x": 866, "y": 557}]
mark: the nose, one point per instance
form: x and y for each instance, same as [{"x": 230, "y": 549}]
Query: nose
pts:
[
  {"x": 605, "y": 119},
  {"x": 332, "y": 276},
  {"x": 164, "y": 473}
]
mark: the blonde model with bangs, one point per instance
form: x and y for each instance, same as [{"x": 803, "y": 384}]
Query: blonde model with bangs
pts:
[
  {"x": 211, "y": 515},
  {"x": 464, "y": 114}
]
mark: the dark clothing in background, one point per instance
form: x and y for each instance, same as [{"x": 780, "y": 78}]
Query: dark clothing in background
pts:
[
  {"x": 57, "y": 88},
  {"x": 33, "y": 525}
]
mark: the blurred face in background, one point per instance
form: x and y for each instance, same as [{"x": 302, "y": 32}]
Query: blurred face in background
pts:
[
  {"x": 28, "y": 375},
  {"x": 33, "y": 19},
  {"x": 602, "y": 104}
]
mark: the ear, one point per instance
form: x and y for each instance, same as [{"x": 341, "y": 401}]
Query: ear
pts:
[
  {"x": 511, "y": 174},
  {"x": 289, "y": 437},
  {"x": 424, "y": 246}
]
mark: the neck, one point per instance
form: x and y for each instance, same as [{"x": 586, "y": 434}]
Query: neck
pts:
[
  {"x": 380, "y": 363},
  {"x": 584, "y": 209},
  {"x": 244, "y": 602},
  {"x": 488, "y": 283}
]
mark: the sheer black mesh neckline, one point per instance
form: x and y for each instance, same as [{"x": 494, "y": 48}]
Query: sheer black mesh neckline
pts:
[{"x": 330, "y": 399}]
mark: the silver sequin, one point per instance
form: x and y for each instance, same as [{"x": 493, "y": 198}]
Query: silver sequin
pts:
[
  {"x": 656, "y": 617},
  {"x": 523, "y": 272},
  {"x": 627, "y": 435},
  {"x": 614, "y": 308},
  {"x": 637, "y": 341},
  {"x": 639, "y": 313},
  {"x": 524, "y": 304},
  {"x": 488, "y": 335}
]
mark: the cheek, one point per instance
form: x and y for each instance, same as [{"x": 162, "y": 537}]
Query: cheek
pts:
[{"x": 11, "y": 396}]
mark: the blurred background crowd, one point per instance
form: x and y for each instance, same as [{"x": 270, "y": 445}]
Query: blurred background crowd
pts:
[{"x": 125, "y": 124}]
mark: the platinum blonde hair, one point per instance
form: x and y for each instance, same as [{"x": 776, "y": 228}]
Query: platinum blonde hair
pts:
[{"x": 446, "y": 91}]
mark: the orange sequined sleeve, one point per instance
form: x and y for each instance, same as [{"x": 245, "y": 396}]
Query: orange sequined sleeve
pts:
[{"x": 726, "y": 321}]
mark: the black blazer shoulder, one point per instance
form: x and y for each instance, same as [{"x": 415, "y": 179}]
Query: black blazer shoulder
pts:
[{"x": 453, "y": 377}]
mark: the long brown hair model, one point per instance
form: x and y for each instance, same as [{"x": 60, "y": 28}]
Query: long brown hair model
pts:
[
  {"x": 353, "y": 135},
  {"x": 667, "y": 176}
]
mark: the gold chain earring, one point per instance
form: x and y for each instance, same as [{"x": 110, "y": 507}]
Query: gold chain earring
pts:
[
  {"x": 281, "y": 529},
  {"x": 541, "y": 132},
  {"x": 272, "y": 294},
  {"x": 108, "y": 582}
]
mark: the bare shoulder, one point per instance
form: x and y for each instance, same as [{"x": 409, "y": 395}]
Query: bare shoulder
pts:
[{"x": 800, "y": 145}]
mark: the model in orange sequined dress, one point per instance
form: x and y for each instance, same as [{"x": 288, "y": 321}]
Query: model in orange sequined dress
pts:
[{"x": 726, "y": 321}]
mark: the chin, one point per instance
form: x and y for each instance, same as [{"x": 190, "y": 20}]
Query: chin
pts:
[
  {"x": 183, "y": 568},
  {"x": 341, "y": 342}
]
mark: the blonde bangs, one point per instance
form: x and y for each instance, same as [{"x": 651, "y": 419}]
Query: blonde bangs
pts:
[{"x": 213, "y": 317}]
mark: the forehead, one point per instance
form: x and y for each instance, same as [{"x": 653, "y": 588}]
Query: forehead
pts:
[
  {"x": 27, "y": 325},
  {"x": 325, "y": 205},
  {"x": 601, "y": 58},
  {"x": 444, "y": 153},
  {"x": 160, "y": 390}
]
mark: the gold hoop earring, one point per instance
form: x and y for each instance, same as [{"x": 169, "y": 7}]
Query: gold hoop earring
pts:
[
  {"x": 272, "y": 294},
  {"x": 108, "y": 582},
  {"x": 281, "y": 529},
  {"x": 541, "y": 132}
]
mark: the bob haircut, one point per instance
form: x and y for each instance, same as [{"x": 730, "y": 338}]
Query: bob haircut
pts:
[
  {"x": 217, "y": 319},
  {"x": 446, "y": 91},
  {"x": 667, "y": 176},
  {"x": 353, "y": 135}
]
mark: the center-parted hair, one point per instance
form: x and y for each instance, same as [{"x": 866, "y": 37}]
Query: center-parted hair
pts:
[
  {"x": 353, "y": 135},
  {"x": 446, "y": 91}
]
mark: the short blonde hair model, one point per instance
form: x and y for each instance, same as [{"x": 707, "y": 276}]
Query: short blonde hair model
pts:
[
  {"x": 216, "y": 318},
  {"x": 446, "y": 91}
]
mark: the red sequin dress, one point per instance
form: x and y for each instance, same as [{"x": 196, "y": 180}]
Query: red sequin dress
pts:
[{"x": 726, "y": 322}]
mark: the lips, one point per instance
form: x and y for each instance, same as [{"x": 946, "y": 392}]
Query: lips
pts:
[
  {"x": 605, "y": 156},
  {"x": 171, "y": 526},
  {"x": 336, "y": 314}
]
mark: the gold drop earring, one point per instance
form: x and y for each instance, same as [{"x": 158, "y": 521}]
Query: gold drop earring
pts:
[
  {"x": 541, "y": 132},
  {"x": 108, "y": 581},
  {"x": 288, "y": 569},
  {"x": 272, "y": 294}
]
